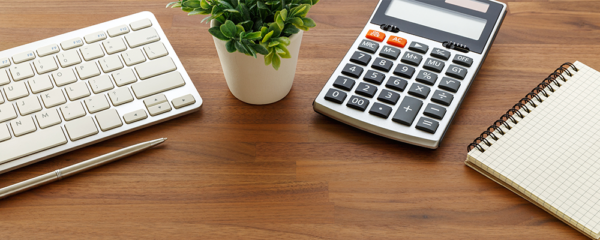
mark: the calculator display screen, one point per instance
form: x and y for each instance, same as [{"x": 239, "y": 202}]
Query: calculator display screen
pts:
[{"x": 438, "y": 18}]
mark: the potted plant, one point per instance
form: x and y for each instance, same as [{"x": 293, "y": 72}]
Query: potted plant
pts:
[{"x": 244, "y": 29}]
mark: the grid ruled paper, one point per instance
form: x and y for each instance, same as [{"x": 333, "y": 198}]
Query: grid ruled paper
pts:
[{"x": 553, "y": 154}]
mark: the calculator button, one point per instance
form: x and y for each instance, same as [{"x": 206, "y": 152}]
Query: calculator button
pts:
[
  {"x": 397, "y": 41},
  {"x": 344, "y": 83},
  {"x": 374, "y": 77},
  {"x": 463, "y": 60},
  {"x": 380, "y": 110},
  {"x": 361, "y": 58},
  {"x": 358, "y": 103},
  {"x": 408, "y": 110},
  {"x": 427, "y": 125},
  {"x": 404, "y": 71},
  {"x": 366, "y": 90},
  {"x": 457, "y": 72},
  {"x": 390, "y": 52},
  {"x": 434, "y": 111},
  {"x": 442, "y": 97},
  {"x": 434, "y": 65},
  {"x": 426, "y": 77},
  {"x": 368, "y": 46},
  {"x": 412, "y": 58},
  {"x": 382, "y": 64},
  {"x": 376, "y": 35},
  {"x": 397, "y": 84},
  {"x": 449, "y": 84},
  {"x": 441, "y": 54},
  {"x": 388, "y": 96},
  {"x": 335, "y": 96},
  {"x": 419, "y": 90},
  {"x": 352, "y": 70},
  {"x": 418, "y": 47}
]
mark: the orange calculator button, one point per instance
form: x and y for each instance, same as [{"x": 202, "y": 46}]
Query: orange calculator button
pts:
[
  {"x": 376, "y": 35},
  {"x": 397, "y": 41}
]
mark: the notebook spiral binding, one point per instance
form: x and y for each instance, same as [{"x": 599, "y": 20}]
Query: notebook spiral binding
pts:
[{"x": 522, "y": 104}]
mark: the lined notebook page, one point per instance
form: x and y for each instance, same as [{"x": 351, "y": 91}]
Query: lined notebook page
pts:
[{"x": 553, "y": 154}]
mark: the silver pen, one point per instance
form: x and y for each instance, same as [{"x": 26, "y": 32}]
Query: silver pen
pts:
[{"x": 77, "y": 168}]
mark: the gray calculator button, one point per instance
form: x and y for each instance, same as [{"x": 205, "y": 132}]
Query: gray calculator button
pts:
[
  {"x": 388, "y": 96},
  {"x": 434, "y": 65},
  {"x": 412, "y": 58},
  {"x": 418, "y": 47},
  {"x": 352, "y": 70},
  {"x": 408, "y": 110},
  {"x": 374, "y": 77},
  {"x": 390, "y": 52},
  {"x": 404, "y": 71},
  {"x": 361, "y": 58},
  {"x": 463, "y": 60},
  {"x": 434, "y": 111},
  {"x": 380, "y": 110},
  {"x": 368, "y": 46},
  {"x": 427, "y": 125},
  {"x": 442, "y": 97},
  {"x": 366, "y": 90},
  {"x": 419, "y": 90},
  {"x": 426, "y": 77},
  {"x": 335, "y": 96},
  {"x": 457, "y": 72},
  {"x": 450, "y": 84},
  {"x": 397, "y": 84},
  {"x": 382, "y": 64},
  {"x": 440, "y": 53},
  {"x": 358, "y": 103},
  {"x": 344, "y": 83}
]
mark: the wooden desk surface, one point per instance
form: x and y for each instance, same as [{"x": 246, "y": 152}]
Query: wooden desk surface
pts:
[{"x": 282, "y": 171}]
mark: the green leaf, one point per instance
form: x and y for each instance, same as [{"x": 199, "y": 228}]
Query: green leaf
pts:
[
  {"x": 232, "y": 11},
  {"x": 276, "y": 62},
  {"x": 192, "y": 3},
  {"x": 198, "y": 11},
  {"x": 267, "y": 37},
  {"x": 229, "y": 29},
  {"x": 290, "y": 30},
  {"x": 315, "y": 2},
  {"x": 250, "y": 49},
  {"x": 296, "y": 10},
  {"x": 269, "y": 57},
  {"x": 309, "y": 22},
  {"x": 226, "y": 4},
  {"x": 297, "y": 21},
  {"x": 280, "y": 22},
  {"x": 263, "y": 31},
  {"x": 230, "y": 45},
  {"x": 261, "y": 5},
  {"x": 273, "y": 43},
  {"x": 284, "y": 14},
  {"x": 204, "y": 4},
  {"x": 275, "y": 28},
  {"x": 241, "y": 48},
  {"x": 172, "y": 4},
  {"x": 283, "y": 52},
  {"x": 239, "y": 30},
  {"x": 260, "y": 49},
  {"x": 216, "y": 31},
  {"x": 187, "y": 9},
  {"x": 284, "y": 40},
  {"x": 253, "y": 36},
  {"x": 244, "y": 11},
  {"x": 303, "y": 11}
]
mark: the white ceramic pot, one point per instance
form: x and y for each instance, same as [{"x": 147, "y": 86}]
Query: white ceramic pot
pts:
[{"x": 252, "y": 82}]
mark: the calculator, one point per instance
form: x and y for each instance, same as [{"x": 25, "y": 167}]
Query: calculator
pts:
[{"x": 406, "y": 75}]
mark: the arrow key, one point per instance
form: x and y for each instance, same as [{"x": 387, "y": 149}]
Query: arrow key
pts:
[
  {"x": 135, "y": 116},
  {"x": 450, "y": 84},
  {"x": 418, "y": 47}
]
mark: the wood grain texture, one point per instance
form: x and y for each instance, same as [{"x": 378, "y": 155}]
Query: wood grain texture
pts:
[{"x": 236, "y": 171}]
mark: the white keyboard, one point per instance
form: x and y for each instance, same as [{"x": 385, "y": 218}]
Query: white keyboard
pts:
[{"x": 86, "y": 86}]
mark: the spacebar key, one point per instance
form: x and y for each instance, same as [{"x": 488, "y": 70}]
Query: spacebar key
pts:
[
  {"x": 158, "y": 84},
  {"x": 31, "y": 143}
]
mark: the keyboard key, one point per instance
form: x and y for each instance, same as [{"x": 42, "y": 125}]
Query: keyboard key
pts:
[
  {"x": 352, "y": 70},
  {"x": 1, "y": 99},
  {"x": 124, "y": 77},
  {"x": 426, "y": 77},
  {"x": 4, "y": 62},
  {"x": 382, "y": 64},
  {"x": 77, "y": 90},
  {"x": 133, "y": 57},
  {"x": 419, "y": 90},
  {"x": 137, "y": 25},
  {"x": 91, "y": 52},
  {"x": 390, "y": 52},
  {"x": 157, "y": 67},
  {"x": 135, "y": 116},
  {"x": 21, "y": 71},
  {"x": 159, "y": 109},
  {"x": 434, "y": 111},
  {"x": 81, "y": 128},
  {"x": 397, "y": 84},
  {"x": 114, "y": 45},
  {"x": 64, "y": 77},
  {"x": 32, "y": 143},
  {"x": 96, "y": 103},
  {"x": 157, "y": 85},
  {"x": 23, "y": 126},
  {"x": 4, "y": 133},
  {"x": 183, "y": 101},
  {"x": 142, "y": 37},
  {"x": 94, "y": 37},
  {"x": 434, "y": 65},
  {"x": 380, "y": 110},
  {"x": 344, "y": 83},
  {"x": 110, "y": 63},
  {"x": 408, "y": 110},
  {"x": 360, "y": 58},
  {"x": 40, "y": 83},
  {"x": 100, "y": 84},
  {"x": 7, "y": 112},
  {"x": 87, "y": 70},
  {"x": 366, "y": 89},
  {"x": 374, "y": 77},
  {"x": 156, "y": 50},
  {"x": 336, "y": 96},
  {"x": 440, "y": 53},
  {"x": 108, "y": 120},
  {"x": 15, "y": 91},
  {"x": 71, "y": 43},
  {"x": 155, "y": 100},
  {"x": 53, "y": 98},
  {"x": 29, "y": 105},
  {"x": 427, "y": 125},
  {"x": 442, "y": 97},
  {"x": 72, "y": 111},
  {"x": 397, "y": 41},
  {"x": 463, "y": 60},
  {"x": 412, "y": 58},
  {"x": 449, "y": 84},
  {"x": 116, "y": 31},
  {"x": 404, "y": 71},
  {"x": 418, "y": 47},
  {"x": 358, "y": 103},
  {"x": 376, "y": 35},
  {"x": 68, "y": 58},
  {"x": 4, "y": 78},
  {"x": 24, "y": 56},
  {"x": 120, "y": 96},
  {"x": 368, "y": 46},
  {"x": 48, "y": 118},
  {"x": 457, "y": 72},
  {"x": 388, "y": 96},
  {"x": 47, "y": 50},
  {"x": 45, "y": 65}
]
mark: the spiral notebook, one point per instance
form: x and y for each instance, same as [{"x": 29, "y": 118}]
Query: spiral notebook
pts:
[{"x": 546, "y": 148}]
